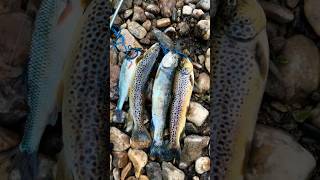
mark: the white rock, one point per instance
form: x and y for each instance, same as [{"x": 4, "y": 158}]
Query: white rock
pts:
[
  {"x": 139, "y": 159},
  {"x": 120, "y": 140},
  {"x": 116, "y": 174},
  {"x": 187, "y": 10},
  {"x": 197, "y": 13},
  {"x": 136, "y": 29},
  {"x": 204, "y": 4},
  {"x": 197, "y": 114},
  {"x": 202, "y": 165},
  {"x": 170, "y": 172},
  {"x": 203, "y": 83},
  {"x": 203, "y": 29},
  {"x": 207, "y": 63}
]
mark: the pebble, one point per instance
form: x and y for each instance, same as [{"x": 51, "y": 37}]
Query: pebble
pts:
[
  {"x": 113, "y": 56},
  {"x": 166, "y": 7},
  {"x": 311, "y": 11},
  {"x": 197, "y": 114},
  {"x": 139, "y": 159},
  {"x": 129, "y": 40},
  {"x": 137, "y": 2},
  {"x": 202, "y": 29},
  {"x": 120, "y": 159},
  {"x": 191, "y": 129},
  {"x": 276, "y": 12},
  {"x": 203, "y": 83},
  {"x": 190, "y": 1},
  {"x": 127, "y": 4},
  {"x": 299, "y": 76},
  {"x": 292, "y": 3},
  {"x": 195, "y": 178},
  {"x": 147, "y": 25},
  {"x": 315, "y": 116},
  {"x": 143, "y": 177},
  {"x": 116, "y": 174},
  {"x": 136, "y": 30},
  {"x": 275, "y": 154},
  {"x": 197, "y": 13},
  {"x": 149, "y": 15},
  {"x": 192, "y": 150},
  {"x": 170, "y": 172},
  {"x": 138, "y": 14},
  {"x": 154, "y": 9},
  {"x": 201, "y": 59},
  {"x": 8, "y": 139},
  {"x": 114, "y": 78},
  {"x": 202, "y": 165},
  {"x": 132, "y": 178},
  {"x": 154, "y": 171},
  {"x": 277, "y": 43},
  {"x": 125, "y": 171},
  {"x": 187, "y": 10},
  {"x": 164, "y": 22},
  {"x": 183, "y": 28},
  {"x": 180, "y": 4},
  {"x": 120, "y": 140},
  {"x": 127, "y": 13},
  {"x": 204, "y": 5},
  {"x": 207, "y": 63}
]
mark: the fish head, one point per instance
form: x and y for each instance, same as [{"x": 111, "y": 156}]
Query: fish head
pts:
[
  {"x": 152, "y": 52},
  {"x": 170, "y": 60},
  {"x": 186, "y": 67}
]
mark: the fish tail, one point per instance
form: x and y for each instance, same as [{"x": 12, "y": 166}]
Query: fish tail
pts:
[
  {"x": 171, "y": 152},
  {"x": 118, "y": 115},
  {"x": 140, "y": 138},
  {"x": 156, "y": 150},
  {"x": 26, "y": 164}
]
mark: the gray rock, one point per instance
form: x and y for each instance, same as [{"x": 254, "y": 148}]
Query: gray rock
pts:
[
  {"x": 183, "y": 28},
  {"x": 138, "y": 14},
  {"x": 136, "y": 30},
  {"x": 154, "y": 9},
  {"x": 197, "y": 13},
  {"x": 127, "y": 4},
  {"x": 149, "y": 15},
  {"x": 311, "y": 11},
  {"x": 129, "y": 40},
  {"x": 127, "y": 13},
  {"x": 197, "y": 114},
  {"x": 187, "y": 10},
  {"x": 204, "y": 5},
  {"x": 191, "y": 1},
  {"x": 137, "y": 2},
  {"x": 275, "y": 153},
  {"x": 154, "y": 171},
  {"x": 276, "y": 12},
  {"x": 292, "y": 3},
  {"x": 170, "y": 172},
  {"x": 202, "y": 29},
  {"x": 147, "y": 25},
  {"x": 114, "y": 78}
]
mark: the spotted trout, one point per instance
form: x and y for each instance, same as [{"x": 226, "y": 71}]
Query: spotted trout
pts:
[
  {"x": 161, "y": 99},
  {"x": 127, "y": 70},
  {"x": 55, "y": 23},
  {"x": 182, "y": 91},
  {"x": 140, "y": 138},
  {"x": 240, "y": 67}
]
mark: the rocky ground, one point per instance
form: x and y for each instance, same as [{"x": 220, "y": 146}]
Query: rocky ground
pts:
[{"x": 288, "y": 131}]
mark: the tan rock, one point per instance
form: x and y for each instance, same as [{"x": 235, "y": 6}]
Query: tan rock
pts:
[
  {"x": 202, "y": 165},
  {"x": 125, "y": 171},
  {"x": 119, "y": 139},
  {"x": 139, "y": 159},
  {"x": 164, "y": 22}
]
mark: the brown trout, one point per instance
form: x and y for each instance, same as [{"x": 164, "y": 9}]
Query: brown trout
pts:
[
  {"x": 240, "y": 67},
  {"x": 182, "y": 91},
  {"x": 140, "y": 138},
  {"x": 84, "y": 155}
]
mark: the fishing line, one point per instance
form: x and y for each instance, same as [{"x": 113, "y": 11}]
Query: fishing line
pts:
[{"x": 166, "y": 50}]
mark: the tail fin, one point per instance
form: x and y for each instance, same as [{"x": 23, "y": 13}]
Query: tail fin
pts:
[
  {"x": 156, "y": 150},
  {"x": 119, "y": 115},
  {"x": 26, "y": 164},
  {"x": 140, "y": 138},
  {"x": 171, "y": 152}
]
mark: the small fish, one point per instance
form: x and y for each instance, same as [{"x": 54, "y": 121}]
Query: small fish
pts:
[
  {"x": 140, "y": 138},
  {"x": 182, "y": 91},
  {"x": 240, "y": 68},
  {"x": 128, "y": 68},
  {"x": 161, "y": 99},
  {"x": 84, "y": 154}
]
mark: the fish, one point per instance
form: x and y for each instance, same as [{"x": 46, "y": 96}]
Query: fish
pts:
[
  {"x": 84, "y": 125},
  {"x": 140, "y": 137},
  {"x": 182, "y": 90},
  {"x": 240, "y": 55},
  {"x": 54, "y": 25},
  {"x": 161, "y": 99},
  {"x": 127, "y": 70}
]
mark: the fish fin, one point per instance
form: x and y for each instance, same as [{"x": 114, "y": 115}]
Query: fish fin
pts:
[
  {"x": 171, "y": 152},
  {"x": 140, "y": 138},
  {"x": 62, "y": 172},
  {"x": 119, "y": 115},
  {"x": 26, "y": 164},
  {"x": 156, "y": 150}
]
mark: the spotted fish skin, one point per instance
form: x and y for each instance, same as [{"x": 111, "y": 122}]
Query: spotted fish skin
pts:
[
  {"x": 182, "y": 91},
  {"x": 140, "y": 138},
  {"x": 161, "y": 99},
  {"x": 84, "y": 153},
  {"x": 127, "y": 71},
  {"x": 240, "y": 66}
]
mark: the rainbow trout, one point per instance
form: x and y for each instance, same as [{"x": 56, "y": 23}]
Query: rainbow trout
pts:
[
  {"x": 127, "y": 70},
  {"x": 240, "y": 67},
  {"x": 54, "y": 25},
  {"x": 84, "y": 153},
  {"x": 182, "y": 91},
  {"x": 140, "y": 138},
  {"x": 161, "y": 99}
]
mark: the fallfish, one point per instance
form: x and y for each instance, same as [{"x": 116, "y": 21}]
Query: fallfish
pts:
[
  {"x": 240, "y": 68},
  {"x": 161, "y": 99},
  {"x": 182, "y": 91},
  {"x": 140, "y": 138},
  {"x": 84, "y": 154},
  {"x": 55, "y": 22},
  {"x": 127, "y": 70}
]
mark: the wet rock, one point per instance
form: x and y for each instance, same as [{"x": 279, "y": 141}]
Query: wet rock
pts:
[
  {"x": 187, "y": 10},
  {"x": 204, "y": 4},
  {"x": 136, "y": 29},
  {"x": 119, "y": 139},
  {"x": 125, "y": 171},
  {"x": 129, "y": 40},
  {"x": 191, "y": 129},
  {"x": 138, "y": 14},
  {"x": 192, "y": 150},
  {"x": 197, "y": 13},
  {"x": 275, "y": 153},
  {"x": 127, "y": 13},
  {"x": 183, "y": 28},
  {"x": 8, "y": 139},
  {"x": 311, "y": 11},
  {"x": 166, "y": 7},
  {"x": 164, "y": 22},
  {"x": 139, "y": 159},
  {"x": 170, "y": 172},
  {"x": 154, "y": 171},
  {"x": 197, "y": 114},
  {"x": 114, "y": 78},
  {"x": 154, "y": 9},
  {"x": 203, "y": 83},
  {"x": 116, "y": 174},
  {"x": 292, "y": 3},
  {"x": 276, "y": 12},
  {"x": 299, "y": 76},
  {"x": 120, "y": 159},
  {"x": 147, "y": 25},
  {"x": 207, "y": 63},
  {"x": 202, "y": 165},
  {"x": 202, "y": 29},
  {"x": 143, "y": 177},
  {"x": 149, "y": 15}
]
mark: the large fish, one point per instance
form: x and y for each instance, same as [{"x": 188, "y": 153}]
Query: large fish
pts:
[
  {"x": 182, "y": 91},
  {"x": 84, "y": 155},
  {"x": 140, "y": 138},
  {"x": 161, "y": 99},
  {"x": 240, "y": 67},
  {"x": 128, "y": 68},
  {"x": 55, "y": 23}
]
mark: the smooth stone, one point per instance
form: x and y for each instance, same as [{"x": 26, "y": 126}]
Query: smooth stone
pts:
[
  {"x": 195, "y": 178},
  {"x": 8, "y": 139},
  {"x": 136, "y": 29},
  {"x": 137, "y": 2},
  {"x": 203, "y": 83},
  {"x": 129, "y": 40},
  {"x": 138, "y": 14},
  {"x": 143, "y": 177},
  {"x": 187, "y": 10},
  {"x": 166, "y": 7},
  {"x": 139, "y": 159},
  {"x": 202, "y": 29},
  {"x": 154, "y": 9},
  {"x": 113, "y": 55},
  {"x": 116, "y": 174},
  {"x": 170, "y": 172},
  {"x": 277, "y": 43},
  {"x": 125, "y": 171},
  {"x": 292, "y": 3},
  {"x": 202, "y": 165},
  {"x": 164, "y": 22},
  {"x": 127, "y": 13},
  {"x": 275, "y": 153},
  {"x": 114, "y": 78},
  {"x": 276, "y": 12},
  {"x": 191, "y": 1},
  {"x": 149, "y": 15},
  {"x": 312, "y": 12},
  {"x": 197, "y": 114},
  {"x": 201, "y": 59},
  {"x": 204, "y": 5},
  {"x": 183, "y": 28},
  {"x": 120, "y": 140},
  {"x": 147, "y": 25},
  {"x": 207, "y": 63},
  {"x": 120, "y": 159},
  {"x": 154, "y": 171},
  {"x": 197, "y": 13},
  {"x": 132, "y": 178}
]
